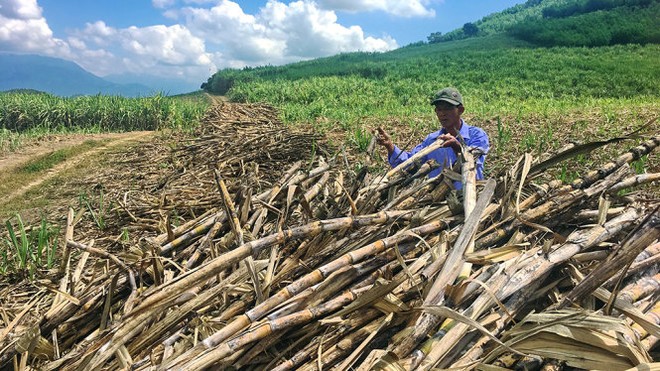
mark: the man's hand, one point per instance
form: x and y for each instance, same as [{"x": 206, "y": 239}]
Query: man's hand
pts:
[
  {"x": 384, "y": 140},
  {"x": 450, "y": 141}
]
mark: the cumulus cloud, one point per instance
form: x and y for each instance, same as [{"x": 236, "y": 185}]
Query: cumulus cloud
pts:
[
  {"x": 20, "y": 9},
  {"x": 153, "y": 49},
  {"x": 399, "y": 8},
  {"x": 278, "y": 33},
  {"x": 24, "y": 29}
]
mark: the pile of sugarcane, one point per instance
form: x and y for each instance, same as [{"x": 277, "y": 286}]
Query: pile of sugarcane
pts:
[{"x": 319, "y": 266}]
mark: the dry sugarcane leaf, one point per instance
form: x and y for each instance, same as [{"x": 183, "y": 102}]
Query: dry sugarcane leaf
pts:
[
  {"x": 381, "y": 360},
  {"x": 581, "y": 338},
  {"x": 576, "y": 354},
  {"x": 495, "y": 255},
  {"x": 62, "y": 294},
  {"x": 584, "y": 148},
  {"x": 376, "y": 293},
  {"x": 525, "y": 171},
  {"x": 445, "y": 312},
  {"x": 606, "y": 340}
]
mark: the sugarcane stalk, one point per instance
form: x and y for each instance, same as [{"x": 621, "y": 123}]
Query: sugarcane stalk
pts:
[
  {"x": 469, "y": 174},
  {"x": 643, "y": 237},
  {"x": 188, "y": 237},
  {"x": 406, "y": 198},
  {"x": 236, "y": 228},
  {"x": 527, "y": 271},
  {"x": 654, "y": 317},
  {"x": 301, "y": 356},
  {"x": 316, "y": 189},
  {"x": 628, "y": 157},
  {"x": 267, "y": 328},
  {"x": 65, "y": 266},
  {"x": 550, "y": 208},
  {"x": 205, "y": 242},
  {"x": 370, "y": 196},
  {"x": 176, "y": 316},
  {"x": 653, "y": 252},
  {"x": 269, "y": 195},
  {"x": 313, "y": 278},
  {"x": 593, "y": 214},
  {"x": 357, "y": 340},
  {"x": 447, "y": 275},
  {"x": 164, "y": 238},
  {"x": 518, "y": 301},
  {"x": 624, "y": 305},
  {"x": 401, "y": 168},
  {"x": 643, "y": 287},
  {"x": 204, "y": 272}
]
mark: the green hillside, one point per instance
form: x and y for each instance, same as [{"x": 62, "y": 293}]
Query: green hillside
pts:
[
  {"x": 498, "y": 75},
  {"x": 569, "y": 23}
]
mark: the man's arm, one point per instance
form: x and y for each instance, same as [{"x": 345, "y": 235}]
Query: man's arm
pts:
[{"x": 479, "y": 140}]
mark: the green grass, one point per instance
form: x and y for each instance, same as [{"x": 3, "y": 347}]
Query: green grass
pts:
[
  {"x": 50, "y": 160},
  {"x": 27, "y": 250},
  {"x": 26, "y": 173},
  {"x": 516, "y": 81}
]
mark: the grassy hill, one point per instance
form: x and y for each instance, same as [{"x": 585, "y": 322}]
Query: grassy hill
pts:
[
  {"x": 569, "y": 23},
  {"x": 498, "y": 75}
]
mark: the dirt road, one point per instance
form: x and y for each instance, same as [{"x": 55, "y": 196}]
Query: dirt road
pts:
[{"x": 12, "y": 162}]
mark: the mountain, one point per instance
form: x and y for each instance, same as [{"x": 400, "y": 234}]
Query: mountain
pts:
[
  {"x": 59, "y": 77},
  {"x": 156, "y": 83}
]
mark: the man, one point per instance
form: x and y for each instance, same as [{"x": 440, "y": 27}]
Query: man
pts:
[{"x": 448, "y": 104}]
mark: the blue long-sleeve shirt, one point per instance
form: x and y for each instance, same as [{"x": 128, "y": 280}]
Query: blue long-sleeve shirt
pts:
[{"x": 473, "y": 136}]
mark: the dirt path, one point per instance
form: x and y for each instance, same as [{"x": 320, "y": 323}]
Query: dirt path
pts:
[{"x": 10, "y": 162}]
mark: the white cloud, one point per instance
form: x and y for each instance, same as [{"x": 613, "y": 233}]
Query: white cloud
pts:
[
  {"x": 162, "y": 4},
  {"x": 20, "y": 9},
  {"x": 279, "y": 33},
  {"x": 399, "y": 8},
  {"x": 24, "y": 29},
  {"x": 154, "y": 49}
]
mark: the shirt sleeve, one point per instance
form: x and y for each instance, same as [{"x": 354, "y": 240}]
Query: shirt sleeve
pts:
[
  {"x": 479, "y": 139},
  {"x": 398, "y": 155}
]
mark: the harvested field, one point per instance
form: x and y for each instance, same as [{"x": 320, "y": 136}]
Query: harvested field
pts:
[{"x": 252, "y": 245}]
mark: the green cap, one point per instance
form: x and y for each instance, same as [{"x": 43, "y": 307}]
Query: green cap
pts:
[{"x": 450, "y": 95}]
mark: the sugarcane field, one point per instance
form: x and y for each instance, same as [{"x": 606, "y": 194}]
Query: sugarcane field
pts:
[{"x": 248, "y": 244}]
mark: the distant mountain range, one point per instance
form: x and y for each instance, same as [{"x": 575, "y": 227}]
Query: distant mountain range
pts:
[{"x": 65, "y": 78}]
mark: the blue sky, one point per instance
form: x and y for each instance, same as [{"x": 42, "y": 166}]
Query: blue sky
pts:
[{"x": 191, "y": 39}]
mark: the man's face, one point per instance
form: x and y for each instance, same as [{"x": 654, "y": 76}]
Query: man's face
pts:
[{"x": 449, "y": 115}]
